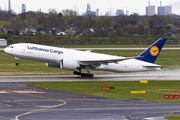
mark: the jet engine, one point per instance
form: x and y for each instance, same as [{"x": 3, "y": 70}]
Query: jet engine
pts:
[
  {"x": 53, "y": 65},
  {"x": 69, "y": 64}
]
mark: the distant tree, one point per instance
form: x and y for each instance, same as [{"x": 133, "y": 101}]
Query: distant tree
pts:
[
  {"x": 43, "y": 20},
  {"x": 171, "y": 26},
  {"x": 60, "y": 14},
  {"x": 18, "y": 18},
  {"x": 140, "y": 29},
  {"x": 53, "y": 18},
  {"x": 105, "y": 21},
  {"x": 46, "y": 36},
  {"x": 28, "y": 17},
  {"x": 155, "y": 20},
  {"x": 67, "y": 19},
  {"x": 32, "y": 22},
  {"x": 17, "y": 27},
  {"x": 86, "y": 22},
  {"x": 39, "y": 26},
  {"x": 4, "y": 35},
  {"x": 69, "y": 12},
  {"x": 23, "y": 16},
  {"x": 112, "y": 36},
  {"x": 5, "y": 24}
]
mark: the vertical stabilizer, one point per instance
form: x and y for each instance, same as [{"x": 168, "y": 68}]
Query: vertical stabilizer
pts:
[{"x": 151, "y": 54}]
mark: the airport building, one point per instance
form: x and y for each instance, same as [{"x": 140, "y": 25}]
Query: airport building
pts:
[{"x": 3, "y": 42}]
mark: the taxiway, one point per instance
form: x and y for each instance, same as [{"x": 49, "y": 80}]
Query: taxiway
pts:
[{"x": 20, "y": 102}]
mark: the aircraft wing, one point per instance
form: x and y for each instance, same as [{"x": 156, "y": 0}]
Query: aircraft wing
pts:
[{"x": 98, "y": 62}]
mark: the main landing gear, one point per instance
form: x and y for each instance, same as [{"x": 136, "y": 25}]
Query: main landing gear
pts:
[
  {"x": 17, "y": 59},
  {"x": 83, "y": 74},
  {"x": 88, "y": 75}
]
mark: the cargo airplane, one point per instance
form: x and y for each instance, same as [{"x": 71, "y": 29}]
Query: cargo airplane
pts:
[{"x": 73, "y": 59}]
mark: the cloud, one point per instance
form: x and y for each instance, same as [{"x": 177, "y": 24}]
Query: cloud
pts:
[{"x": 175, "y": 4}]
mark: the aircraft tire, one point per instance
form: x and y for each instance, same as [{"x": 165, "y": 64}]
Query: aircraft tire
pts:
[
  {"x": 91, "y": 75},
  {"x": 87, "y": 75},
  {"x": 17, "y": 64},
  {"x": 75, "y": 72},
  {"x": 83, "y": 75}
]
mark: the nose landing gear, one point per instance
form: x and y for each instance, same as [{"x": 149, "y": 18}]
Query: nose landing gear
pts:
[{"x": 17, "y": 59}]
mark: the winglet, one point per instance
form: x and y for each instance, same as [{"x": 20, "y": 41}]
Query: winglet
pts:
[{"x": 151, "y": 54}]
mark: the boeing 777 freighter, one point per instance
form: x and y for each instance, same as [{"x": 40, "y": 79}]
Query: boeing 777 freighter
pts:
[{"x": 73, "y": 59}]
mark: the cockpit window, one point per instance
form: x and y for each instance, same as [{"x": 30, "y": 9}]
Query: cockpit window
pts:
[{"x": 10, "y": 46}]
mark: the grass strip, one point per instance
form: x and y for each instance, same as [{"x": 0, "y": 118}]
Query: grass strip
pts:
[
  {"x": 176, "y": 117},
  {"x": 154, "y": 89},
  {"x": 167, "y": 101}
]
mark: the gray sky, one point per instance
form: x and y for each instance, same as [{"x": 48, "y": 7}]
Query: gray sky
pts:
[{"x": 134, "y": 6}]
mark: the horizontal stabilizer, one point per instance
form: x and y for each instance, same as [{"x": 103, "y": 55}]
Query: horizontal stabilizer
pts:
[{"x": 157, "y": 67}]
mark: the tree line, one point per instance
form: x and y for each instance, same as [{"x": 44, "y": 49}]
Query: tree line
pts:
[{"x": 115, "y": 29}]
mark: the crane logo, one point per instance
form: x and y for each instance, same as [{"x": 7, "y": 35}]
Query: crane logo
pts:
[{"x": 154, "y": 51}]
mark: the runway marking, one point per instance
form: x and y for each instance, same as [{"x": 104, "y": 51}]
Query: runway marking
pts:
[
  {"x": 21, "y": 92},
  {"x": 40, "y": 110},
  {"x": 27, "y": 92},
  {"x": 4, "y": 92},
  {"x": 54, "y": 100},
  {"x": 7, "y": 118}
]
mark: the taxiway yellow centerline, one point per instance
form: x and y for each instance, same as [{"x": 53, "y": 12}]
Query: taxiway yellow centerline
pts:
[
  {"x": 7, "y": 118},
  {"x": 38, "y": 110}
]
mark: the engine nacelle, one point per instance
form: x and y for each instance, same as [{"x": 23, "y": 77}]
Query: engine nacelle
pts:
[
  {"x": 53, "y": 65},
  {"x": 69, "y": 64}
]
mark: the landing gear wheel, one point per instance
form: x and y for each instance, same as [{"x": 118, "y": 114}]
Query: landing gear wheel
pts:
[
  {"x": 75, "y": 72},
  {"x": 17, "y": 59},
  {"x": 17, "y": 64},
  {"x": 87, "y": 75},
  {"x": 83, "y": 75},
  {"x": 91, "y": 75}
]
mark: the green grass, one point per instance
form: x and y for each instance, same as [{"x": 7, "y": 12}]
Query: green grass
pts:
[
  {"x": 167, "y": 101},
  {"x": 154, "y": 89},
  {"x": 28, "y": 67},
  {"x": 176, "y": 117}
]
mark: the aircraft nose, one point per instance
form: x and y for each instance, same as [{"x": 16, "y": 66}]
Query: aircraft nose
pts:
[{"x": 6, "y": 50}]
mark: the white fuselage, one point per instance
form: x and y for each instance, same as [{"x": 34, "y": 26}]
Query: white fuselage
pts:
[{"x": 54, "y": 55}]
